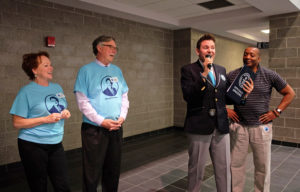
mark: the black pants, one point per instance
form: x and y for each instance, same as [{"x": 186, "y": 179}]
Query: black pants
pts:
[
  {"x": 101, "y": 157},
  {"x": 41, "y": 160}
]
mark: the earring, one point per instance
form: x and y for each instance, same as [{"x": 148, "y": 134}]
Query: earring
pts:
[{"x": 35, "y": 75}]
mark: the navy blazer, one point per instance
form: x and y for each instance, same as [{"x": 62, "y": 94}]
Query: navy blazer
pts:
[{"x": 201, "y": 96}]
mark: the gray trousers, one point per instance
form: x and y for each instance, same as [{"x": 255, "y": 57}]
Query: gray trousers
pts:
[{"x": 218, "y": 146}]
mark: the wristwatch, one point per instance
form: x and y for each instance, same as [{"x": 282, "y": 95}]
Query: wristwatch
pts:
[{"x": 278, "y": 110}]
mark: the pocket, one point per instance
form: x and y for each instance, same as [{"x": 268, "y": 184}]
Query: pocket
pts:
[
  {"x": 266, "y": 132},
  {"x": 261, "y": 134},
  {"x": 232, "y": 127},
  {"x": 89, "y": 130},
  {"x": 236, "y": 131}
]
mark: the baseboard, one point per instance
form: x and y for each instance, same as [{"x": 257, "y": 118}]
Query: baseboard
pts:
[
  {"x": 152, "y": 133},
  {"x": 284, "y": 143},
  {"x": 17, "y": 166}
]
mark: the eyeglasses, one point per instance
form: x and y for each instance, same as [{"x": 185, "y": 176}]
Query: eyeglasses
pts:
[{"x": 111, "y": 47}]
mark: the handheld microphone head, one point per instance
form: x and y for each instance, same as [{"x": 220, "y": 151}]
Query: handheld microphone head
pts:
[{"x": 208, "y": 65}]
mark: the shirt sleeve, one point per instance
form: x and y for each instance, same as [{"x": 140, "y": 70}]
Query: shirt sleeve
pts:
[
  {"x": 80, "y": 83},
  {"x": 87, "y": 109},
  {"x": 125, "y": 105},
  {"x": 278, "y": 82},
  {"x": 20, "y": 105}
]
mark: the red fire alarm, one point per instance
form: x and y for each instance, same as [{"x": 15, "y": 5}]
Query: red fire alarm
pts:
[{"x": 50, "y": 41}]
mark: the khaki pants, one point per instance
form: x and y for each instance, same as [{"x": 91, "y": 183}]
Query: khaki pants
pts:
[{"x": 259, "y": 137}]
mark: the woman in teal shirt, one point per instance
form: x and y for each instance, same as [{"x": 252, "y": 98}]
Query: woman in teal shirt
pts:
[{"x": 40, "y": 127}]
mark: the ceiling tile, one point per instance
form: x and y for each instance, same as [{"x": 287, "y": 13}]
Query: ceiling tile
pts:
[
  {"x": 164, "y": 5},
  {"x": 137, "y": 3}
]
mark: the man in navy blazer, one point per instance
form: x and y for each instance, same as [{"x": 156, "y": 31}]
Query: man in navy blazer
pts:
[{"x": 204, "y": 88}]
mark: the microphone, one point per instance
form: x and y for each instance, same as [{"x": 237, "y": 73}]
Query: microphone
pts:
[{"x": 208, "y": 65}]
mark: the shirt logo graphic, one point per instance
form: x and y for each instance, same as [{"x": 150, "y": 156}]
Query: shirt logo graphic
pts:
[
  {"x": 53, "y": 104},
  {"x": 109, "y": 85}
]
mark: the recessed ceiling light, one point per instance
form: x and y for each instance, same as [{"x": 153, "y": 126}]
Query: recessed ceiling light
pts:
[{"x": 266, "y": 31}]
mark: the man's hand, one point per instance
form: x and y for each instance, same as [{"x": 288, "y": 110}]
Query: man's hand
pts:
[
  {"x": 267, "y": 117},
  {"x": 207, "y": 61},
  {"x": 232, "y": 115},
  {"x": 121, "y": 120},
  {"x": 248, "y": 87},
  {"x": 111, "y": 125}
]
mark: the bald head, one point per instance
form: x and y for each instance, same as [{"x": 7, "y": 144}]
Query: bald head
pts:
[{"x": 255, "y": 49}]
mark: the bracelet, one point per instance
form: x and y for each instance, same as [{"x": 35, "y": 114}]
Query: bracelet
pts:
[{"x": 275, "y": 113}]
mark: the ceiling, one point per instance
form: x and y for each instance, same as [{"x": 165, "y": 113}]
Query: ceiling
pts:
[{"x": 241, "y": 21}]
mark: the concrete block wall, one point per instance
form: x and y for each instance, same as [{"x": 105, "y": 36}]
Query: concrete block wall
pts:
[
  {"x": 182, "y": 56},
  {"x": 145, "y": 57},
  {"x": 284, "y": 58},
  {"x": 150, "y": 58}
]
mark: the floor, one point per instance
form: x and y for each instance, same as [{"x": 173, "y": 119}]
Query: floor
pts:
[{"x": 158, "y": 163}]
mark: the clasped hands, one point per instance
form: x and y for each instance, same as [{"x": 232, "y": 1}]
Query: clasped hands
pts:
[
  {"x": 112, "y": 125},
  {"x": 55, "y": 117}
]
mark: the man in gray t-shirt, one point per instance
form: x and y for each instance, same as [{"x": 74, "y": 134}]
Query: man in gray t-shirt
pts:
[{"x": 252, "y": 123}]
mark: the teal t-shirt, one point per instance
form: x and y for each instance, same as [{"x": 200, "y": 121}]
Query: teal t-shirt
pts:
[
  {"x": 34, "y": 100},
  {"x": 104, "y": 87}
]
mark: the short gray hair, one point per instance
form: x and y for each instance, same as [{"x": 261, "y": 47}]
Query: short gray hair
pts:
[{"x": 100, "y": 39}]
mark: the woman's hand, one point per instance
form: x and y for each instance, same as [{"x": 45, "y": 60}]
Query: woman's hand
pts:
[
  {"x": 53, "y": 118},
  {"x": 25, "y": 123},
  {"x": 65, "y": 114}
]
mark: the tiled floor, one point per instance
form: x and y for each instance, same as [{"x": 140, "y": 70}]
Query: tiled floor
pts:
[
  {"x": 159, "y": 164},
  {"x": 169, "y": 174}
]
